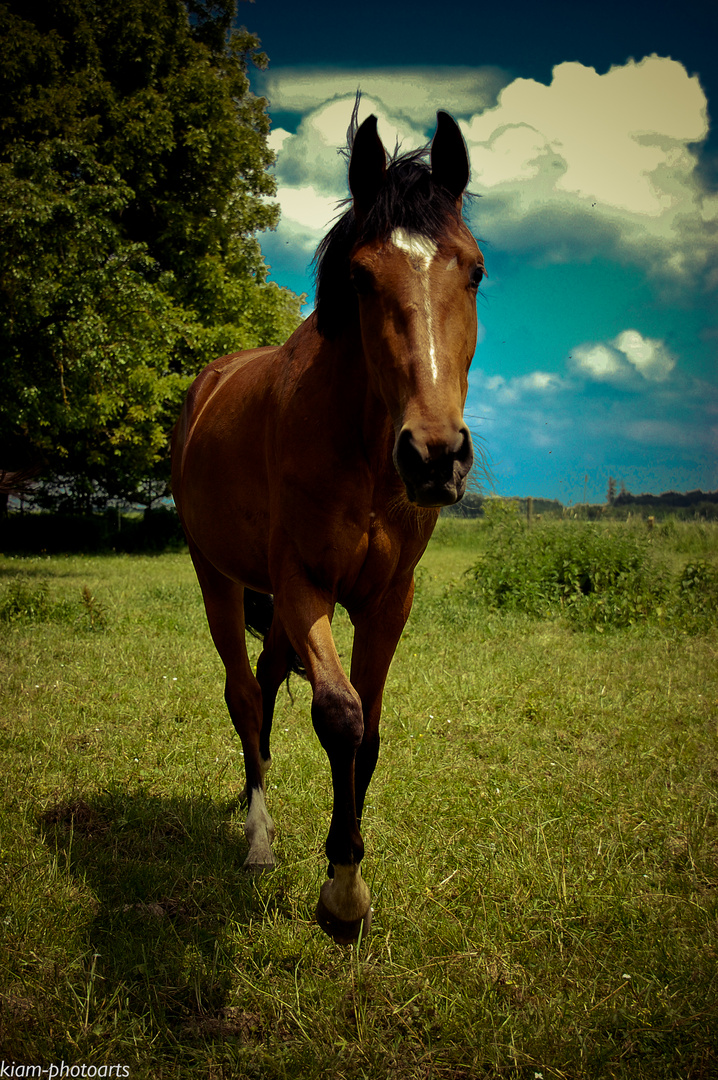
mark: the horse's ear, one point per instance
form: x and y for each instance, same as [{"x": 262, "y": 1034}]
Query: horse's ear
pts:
[
  {"x": 449, "y": 158},
  {"x": 367, "y": 167}
]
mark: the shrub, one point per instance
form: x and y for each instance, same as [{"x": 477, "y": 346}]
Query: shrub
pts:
[
  {"x": 697, "y": 592},
  {"x": 595, "y": 576}
]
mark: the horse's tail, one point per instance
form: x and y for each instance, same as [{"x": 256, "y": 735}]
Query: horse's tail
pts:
[{"x": 258, "y": 615}]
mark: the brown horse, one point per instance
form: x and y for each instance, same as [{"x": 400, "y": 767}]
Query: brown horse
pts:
[{"x": 314, "y": 471}]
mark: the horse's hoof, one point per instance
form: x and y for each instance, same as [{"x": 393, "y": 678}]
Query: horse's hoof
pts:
[
  {"x": 257, "y": 868},
  {"x": 258, "y": 862},
  {"x": 344, "y": 933}
]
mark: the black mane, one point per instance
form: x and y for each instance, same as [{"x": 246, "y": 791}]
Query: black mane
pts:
[{"x": 408, "y": 199}]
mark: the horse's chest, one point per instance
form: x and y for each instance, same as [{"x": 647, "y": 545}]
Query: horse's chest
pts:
[{"x": 387, "y": 562}]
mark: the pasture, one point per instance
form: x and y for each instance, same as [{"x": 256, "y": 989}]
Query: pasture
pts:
[{"x": 541, "y": 830}]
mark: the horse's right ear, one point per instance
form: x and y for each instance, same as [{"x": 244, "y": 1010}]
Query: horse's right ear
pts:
[
  {"x": 449, "y": 157},
  {"x": 367, "y": 167}
]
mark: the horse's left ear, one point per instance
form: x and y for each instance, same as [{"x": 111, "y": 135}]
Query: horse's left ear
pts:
[
  {"x": 449, "y": 157},
  {"x": 367, "y": 167}
]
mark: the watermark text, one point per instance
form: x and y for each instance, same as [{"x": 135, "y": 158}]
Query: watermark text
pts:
[{"x": 12, "y": 1070}]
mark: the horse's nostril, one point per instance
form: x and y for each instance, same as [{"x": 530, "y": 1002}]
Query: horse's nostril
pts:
[
  {"x": 434, "y": 471},
  {"x": 410, "y": 452},
  {"x": 465, "y": 453}
]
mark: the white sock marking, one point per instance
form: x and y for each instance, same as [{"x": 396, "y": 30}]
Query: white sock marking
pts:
[{"x": 258, "y": 819}]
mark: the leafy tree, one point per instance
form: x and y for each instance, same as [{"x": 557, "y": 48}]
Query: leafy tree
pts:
[{"x": 133, "y": 177}]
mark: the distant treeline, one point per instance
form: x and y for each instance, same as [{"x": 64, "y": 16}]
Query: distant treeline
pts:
[
  {"x": 39, "y": 533},
  {"x": 692, "y": 503},
  {"x": 672, "y": 499},
  {"x": 35, "y": 532},
  {"x": 472, "y": 505}
]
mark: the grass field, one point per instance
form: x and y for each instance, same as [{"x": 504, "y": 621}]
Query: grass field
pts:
[{"x": 541, "y": 834}]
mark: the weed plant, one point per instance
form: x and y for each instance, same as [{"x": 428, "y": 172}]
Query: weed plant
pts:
[
  {"x": 29, "y": 601},
  {"x": 541, "y": 838}
]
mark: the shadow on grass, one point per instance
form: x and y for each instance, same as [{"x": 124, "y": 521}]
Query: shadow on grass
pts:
[{"x": 163, "y": 879}]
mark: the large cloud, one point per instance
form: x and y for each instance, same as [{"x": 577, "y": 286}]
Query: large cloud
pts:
[
  {"x": 587, "y": 165},
  {"x": 594, "y": 162},
  {"x": 609, "y": 134}
]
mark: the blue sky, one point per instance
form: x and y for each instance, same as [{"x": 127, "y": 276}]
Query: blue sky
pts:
[{"x": 596, "y": 158}]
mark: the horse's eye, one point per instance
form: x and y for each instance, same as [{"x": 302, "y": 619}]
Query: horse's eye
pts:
[
  {"x": 476, "y": 276},
  {"x": 362, "y": 280}
]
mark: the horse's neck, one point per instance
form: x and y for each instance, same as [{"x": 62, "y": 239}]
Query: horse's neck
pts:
[{"x": 360, "y": 417}]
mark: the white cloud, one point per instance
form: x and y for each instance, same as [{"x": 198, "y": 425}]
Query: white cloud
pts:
[
  {"x": 649, "y": 357},
  {"x": 534, "y": 388},
  {"x": 414, "y": 93},
  {"x": 619, "y": 361},
  {"x": 609, "y": 133},
  {"x": 541, "y": 381},
  {"x": 597, "y": 362},
  {"x": 307, "y": 207},
  {"x": 277, "y": 138},
  {"x": 593, "y": 161}
]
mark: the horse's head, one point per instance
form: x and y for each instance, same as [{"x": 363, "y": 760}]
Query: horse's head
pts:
[{"x": 416, "y": 268}]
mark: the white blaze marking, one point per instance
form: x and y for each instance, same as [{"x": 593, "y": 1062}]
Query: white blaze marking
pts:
[
  {"x": 422, "y": 252},
  {"x": 417, "y": 247}
]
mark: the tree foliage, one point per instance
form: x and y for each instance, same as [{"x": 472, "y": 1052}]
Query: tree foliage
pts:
[{"x": 133, "y": 179}]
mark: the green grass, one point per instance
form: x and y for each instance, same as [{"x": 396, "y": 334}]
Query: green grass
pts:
[{"x": 541, "y": 833}]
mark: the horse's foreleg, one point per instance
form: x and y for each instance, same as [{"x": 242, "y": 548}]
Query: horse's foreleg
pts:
[
  {"x": 344, "y": 903},
  {"x": 344, "y": 908},
  {"x": 376, "y": 636},
  {"x": 224, "y": 604}
]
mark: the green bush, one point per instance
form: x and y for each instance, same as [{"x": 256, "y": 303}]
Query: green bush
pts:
[
  {"x": 697, "y": 593},
  {"x": 598, "y": 577}
]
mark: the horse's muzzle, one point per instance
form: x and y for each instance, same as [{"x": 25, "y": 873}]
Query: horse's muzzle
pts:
[{"x": 434, "y": 473}]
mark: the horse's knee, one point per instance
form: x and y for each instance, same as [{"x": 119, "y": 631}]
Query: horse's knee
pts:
[
  {"x": 244, "y": 702},
  {"x": 338, "y": 720}
]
